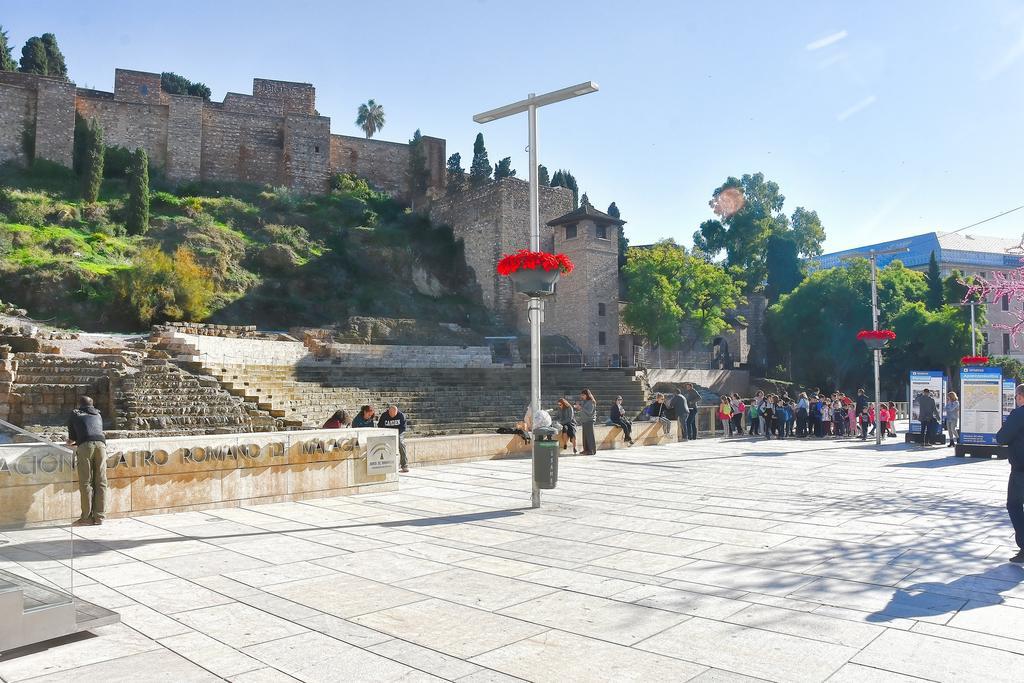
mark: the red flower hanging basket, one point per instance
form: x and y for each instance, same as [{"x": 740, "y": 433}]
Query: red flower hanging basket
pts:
[
  {"x": 534, "y": 273},
  {"x": 876, "y": 339},
  {"x": 974, "y": 360}
]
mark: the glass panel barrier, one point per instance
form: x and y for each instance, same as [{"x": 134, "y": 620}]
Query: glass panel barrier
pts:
[{"x": 38, "y": 546}]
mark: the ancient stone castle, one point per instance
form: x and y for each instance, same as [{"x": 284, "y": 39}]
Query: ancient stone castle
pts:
[{"x": 274, "y": 136}]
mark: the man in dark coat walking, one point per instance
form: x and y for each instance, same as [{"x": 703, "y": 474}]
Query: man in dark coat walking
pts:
[{"x": 1011, "y": 435}]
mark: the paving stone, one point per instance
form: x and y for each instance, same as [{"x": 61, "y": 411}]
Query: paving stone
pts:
[
  {"x": 588, "y": 615},
  {"x": 750, "y": 651},
  {"x": 316, "y": 657},
  {"x": 939, "y": 659},
  {"x": 561, "y": 657},
  {"x": 453, "y": 629}
]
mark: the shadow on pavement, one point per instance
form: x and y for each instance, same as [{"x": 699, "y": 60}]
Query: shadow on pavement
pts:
[{"x": 930, "y": 599}]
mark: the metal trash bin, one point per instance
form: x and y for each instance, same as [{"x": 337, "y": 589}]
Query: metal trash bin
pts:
[{"x": 545, "y": 458}]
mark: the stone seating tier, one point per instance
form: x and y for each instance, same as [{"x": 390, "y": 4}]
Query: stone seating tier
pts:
[
  {"x": 161, "y": 396},
  {"x": 436, "y": 400}
]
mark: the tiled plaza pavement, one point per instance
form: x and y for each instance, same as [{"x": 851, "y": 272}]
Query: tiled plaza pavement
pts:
[{"x": 708, "y": 561}]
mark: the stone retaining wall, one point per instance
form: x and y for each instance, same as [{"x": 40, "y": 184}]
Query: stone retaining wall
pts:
[{"x": 174, "y": 474}]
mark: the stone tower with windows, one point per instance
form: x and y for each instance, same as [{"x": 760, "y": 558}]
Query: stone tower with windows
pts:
[{"x": 586, "y": 303}]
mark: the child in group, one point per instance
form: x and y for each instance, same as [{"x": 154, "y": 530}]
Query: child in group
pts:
[
  {"x": 890, "y": 422},
  {"x": 851, "y": 418},
  {"x": 838, "y": 418},
  {"x": 767, "y": 414},
  {"x": 826, "y": 418}
]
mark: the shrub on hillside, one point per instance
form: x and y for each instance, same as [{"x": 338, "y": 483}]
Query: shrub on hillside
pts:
[
  {"x": 160, "y": 288},
  {"x": 28, "y": 211}
]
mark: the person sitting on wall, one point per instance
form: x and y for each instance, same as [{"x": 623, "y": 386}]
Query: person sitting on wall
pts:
[
  {"x": 85, "y": 433},
  {"x": 340, "y": 420},
  {"x": 367, "y": 417},
  {"x": 393, "y": 418},
  {"x": 618, "y": 417}
]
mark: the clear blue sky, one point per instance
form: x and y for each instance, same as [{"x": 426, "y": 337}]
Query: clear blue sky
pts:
[{"x": 888, "y": 118}]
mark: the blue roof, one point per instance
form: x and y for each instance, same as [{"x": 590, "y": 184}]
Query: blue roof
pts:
[{"x": 951, "y": 249}]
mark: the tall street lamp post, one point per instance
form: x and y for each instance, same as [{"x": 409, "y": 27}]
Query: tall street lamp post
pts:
[
  {"x": 535, "y": 307},
  {"x": 877, "y": 353}
]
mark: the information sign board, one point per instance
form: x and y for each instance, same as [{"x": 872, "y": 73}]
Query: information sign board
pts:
[{"x": 981, "y": 404}]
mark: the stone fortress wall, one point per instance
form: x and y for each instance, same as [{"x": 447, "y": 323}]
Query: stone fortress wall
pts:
[{"x": 274, "y": 136}]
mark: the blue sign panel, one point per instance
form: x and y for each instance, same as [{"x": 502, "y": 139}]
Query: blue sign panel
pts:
[{"x": 981, "y": 404}]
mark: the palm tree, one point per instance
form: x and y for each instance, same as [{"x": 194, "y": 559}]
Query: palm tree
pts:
[{"x": 371, "y": 118}]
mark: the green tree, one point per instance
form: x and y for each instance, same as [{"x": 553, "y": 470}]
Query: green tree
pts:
[
  {"x": 503, "y": 169},
  {"x": 42, "y": 56},
  {"x": 174, "y": 84},
  {"x": 542, "y": 175},
  {"x": 370, "y": 117},
  {"x": 1011, "y": 367},
  {"x": 926, "y": 340},
  {"x": 783, "y": 266},
  {"x": 7, "y": 62},
  {"x": 935, "y": 288},
  {"x": 33, "y": 57},
  {"x": 92, "y": 180},
  {"x": 456, "y": 174},
  {"x": 749, "y": 212},
  {"x": 652, "y": 292},
  {"x": 138, "y": 194},
  {"x": 480, "y": 169},
  {"x": 613, "y": 211},
  {"x": 80, "y": 146},
  {"x": 54, "y": 58},
  {"x": 563, "y": 178},
  {"x": 816, "y": 324},
  {"x": 418, "y": 174},
  {"x": 668, "y": 288}
]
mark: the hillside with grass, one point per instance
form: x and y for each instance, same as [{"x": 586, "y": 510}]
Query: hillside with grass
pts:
[{"x": 234, "y": 254}]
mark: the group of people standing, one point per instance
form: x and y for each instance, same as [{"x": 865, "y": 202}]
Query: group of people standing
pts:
[
  {"x": 808, "y": 415},
  {"x": 679, "y": 407}
]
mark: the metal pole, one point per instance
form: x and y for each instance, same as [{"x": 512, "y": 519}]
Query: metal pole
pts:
[
  {"x": 535, "y": 306},
  {"x": 974, "y": 341},
  {"x": 877, "y": 352}
]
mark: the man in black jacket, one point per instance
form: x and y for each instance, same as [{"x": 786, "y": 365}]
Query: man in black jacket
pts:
[
  {"x": 393, "y": 418},
  {"x": 1011, "y": 435},
  {"x": 85, "y": 433},
  {"x": 860, "y": 406}
]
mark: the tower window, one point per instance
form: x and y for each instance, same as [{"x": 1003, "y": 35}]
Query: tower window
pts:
[
  {"x": 602, "y": 232},
  {"x": 1006, "y": 302},
  {"x": 600, "y": 309},
  {"x": 144, "y": 89},
  {"x": 1006, "y": 343},
  {"x": 316, "y": 149},
  {"x": 570, "y": 232},
  {"x": 601, "y": 340}
]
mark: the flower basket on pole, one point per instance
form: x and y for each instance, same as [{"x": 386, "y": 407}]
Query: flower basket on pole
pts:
[
  {"x": 534, "y": 273},
  {"x": 876, "y": 339}
]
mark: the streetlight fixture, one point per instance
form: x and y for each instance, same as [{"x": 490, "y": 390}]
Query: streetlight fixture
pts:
[
  {"x": 535, "y": 307},
  {"x": 873, "y": 255}
]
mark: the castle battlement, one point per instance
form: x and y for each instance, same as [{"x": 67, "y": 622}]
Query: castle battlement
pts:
[{"x": 273, "y": 136}]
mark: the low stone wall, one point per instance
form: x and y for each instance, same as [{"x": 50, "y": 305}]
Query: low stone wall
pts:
[
  {"x": 388, "y": 356},
  {"x": 718, "y": 381},
  {"x": 439, "y": 450},
  {"x": 211, "y": 350},
  {"x": 38, "y": 482}
]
